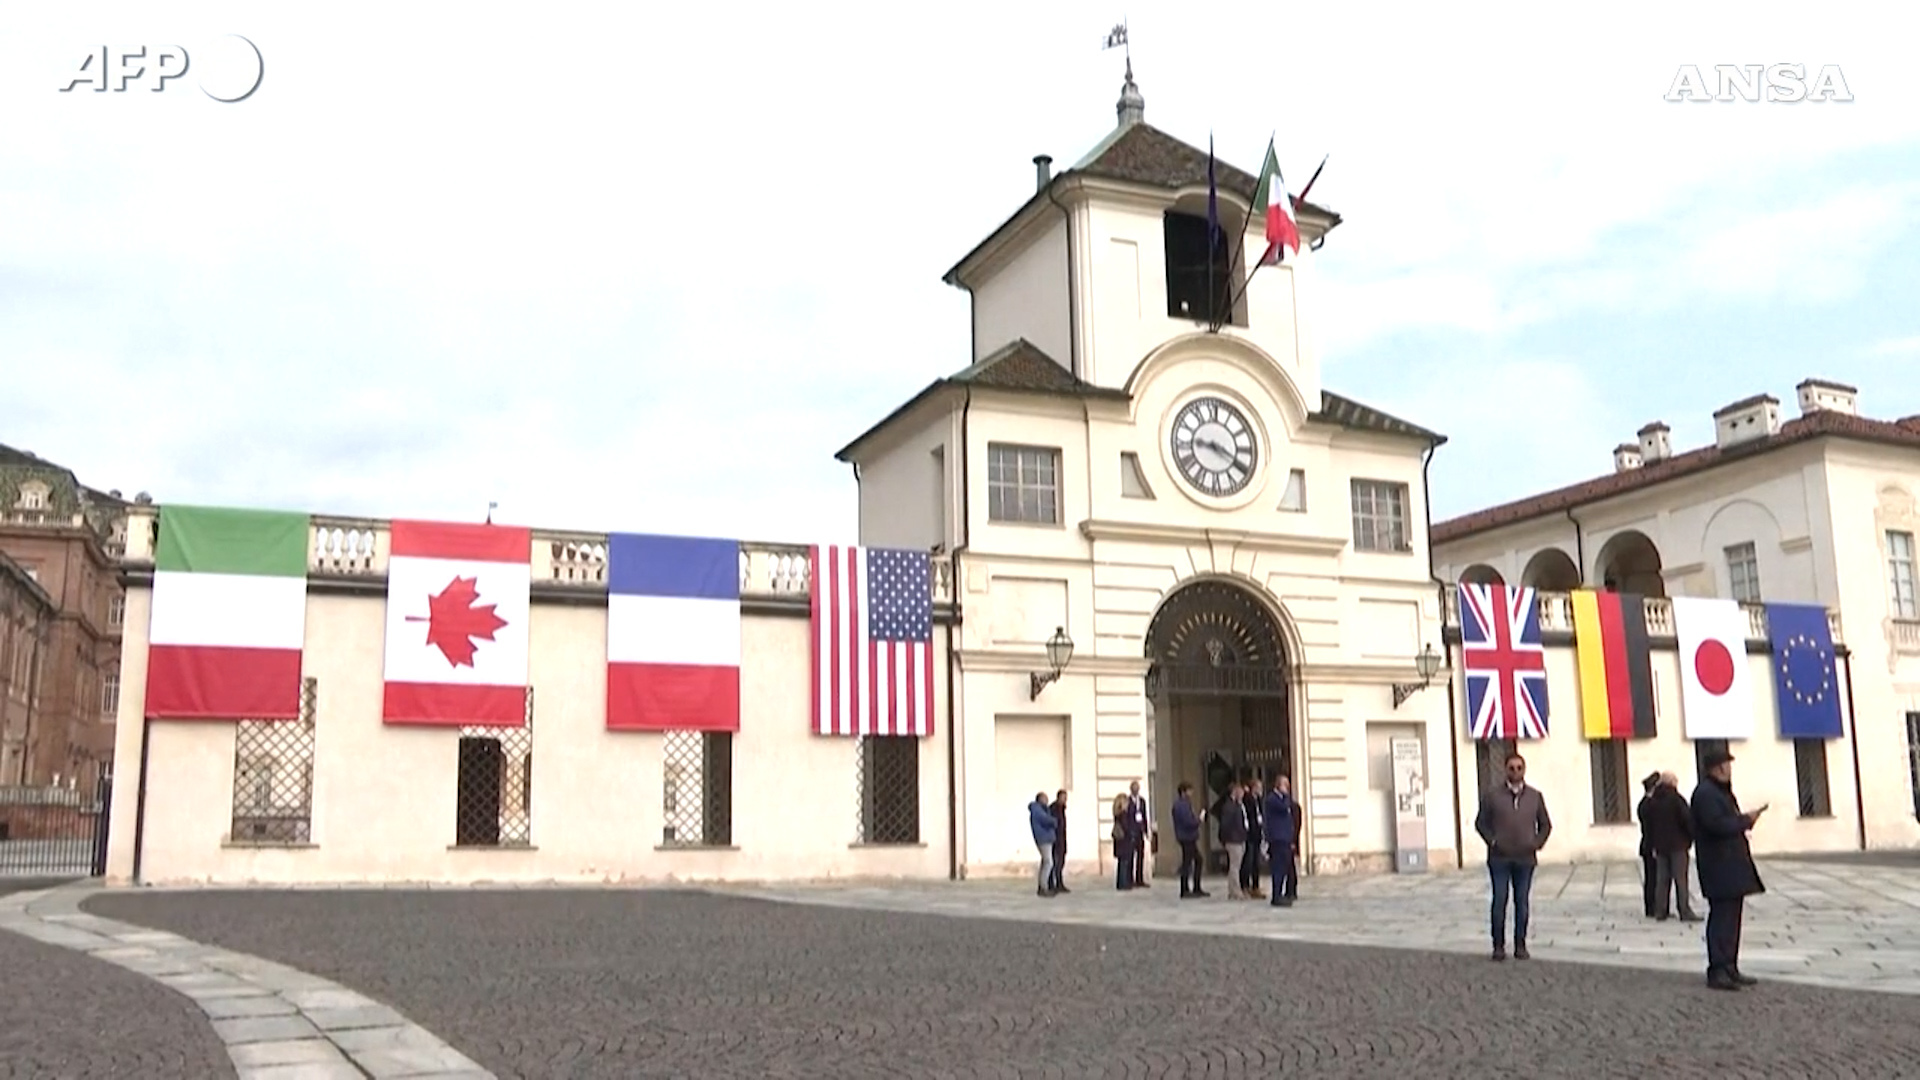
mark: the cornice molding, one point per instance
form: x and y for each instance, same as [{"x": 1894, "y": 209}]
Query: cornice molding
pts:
[
  {"x": 1022, "y": 661},
  {"x": 1136, "y": 532}
]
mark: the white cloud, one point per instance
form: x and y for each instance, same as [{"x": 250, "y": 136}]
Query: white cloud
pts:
[{"x": 645, "y": 268}]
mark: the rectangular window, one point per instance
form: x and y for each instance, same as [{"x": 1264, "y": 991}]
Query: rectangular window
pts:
[
  {"x": 1900, "y": 581},
  {"x": 888, "y": 785},
  {"x": 697, "y": 789},
  {"x": 493, "y": 790},
  {"x": 1490, "y": 756},
  {"x": 110, "y": 694},
  {"x": 1612, "y": 804},
  {"x": 1380, "y": 516},
  {"x": 1810, "y": 777},
  {"x": 273, "y": 775},
  {"x": 1703, "y": 747},
  {"x": 1743, "y": 573},
  {"x": 117, "y": 609},
  {"x": 1023, "y": 484},
  {"x": 1913, "y": 759},
  {"x": 1198, "y": 272}
]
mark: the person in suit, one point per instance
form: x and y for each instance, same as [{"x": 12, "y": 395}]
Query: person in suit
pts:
[
  {"x": 1187, "y": 821},
  {"x": 1254, "y": 801},
  {"x": 1671, "y": 833},
  {"x": 1724, "y": 861},
  {"x": 1141, "y": 833},
  {"x": 1122, "y": 842},
  {"x": 1280, "y": 819},
  {"x": 1040, "y": 820},
  {"x": 1648, "y": 870},
  {"x": 1059, "y": 809}
]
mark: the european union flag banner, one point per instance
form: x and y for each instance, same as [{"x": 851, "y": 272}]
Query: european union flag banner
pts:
[{"x": 1806, "y": 682}]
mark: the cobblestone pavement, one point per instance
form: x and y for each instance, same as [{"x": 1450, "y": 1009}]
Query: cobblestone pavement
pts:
[
  {"x": 623, "y": 983},
  {"x": 1848, "y": 924},
  {"x": 64, "y": 1016}
]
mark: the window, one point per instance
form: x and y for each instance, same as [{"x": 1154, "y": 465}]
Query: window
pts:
[
  {"x": 1913, "y": 759},
  {"x": 493, "y": 790},
  {"x": 1023, "y": 484},
  {"x": 1133, "y": 480},
  {"x": 110, "y": 694},
  {"x": 272, "y": 775},
  {"x": 1810, "y": 777},
  {"x": 940, "y": 497},
  {"x": 117, "y": 609},
  {"x": 1295, "y": 498},
  {"x": 1612, "y": 802},
  {"x": 1743, "y": 573},
  {"x": 1703, "y": 747},
  {"x": 889, "y": 789},
  {"x": 1900, "y": 585},
  {"x": 1380, "y": 516},
  {"x": 697, "y": 789},
  {"x": 1199, "y": 274},
  {"x": 33, "y": 497},
  {"x": 1490, "y": 757}
]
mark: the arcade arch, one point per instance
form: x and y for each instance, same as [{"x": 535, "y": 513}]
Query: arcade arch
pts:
[
  {"x": 1630, "y": 563},
  {"x": 1551, "y": 570}
]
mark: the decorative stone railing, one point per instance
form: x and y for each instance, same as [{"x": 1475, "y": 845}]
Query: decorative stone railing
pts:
[
  {"x": 1556, "y": 615},
  {"x": 357, "y": 548}
]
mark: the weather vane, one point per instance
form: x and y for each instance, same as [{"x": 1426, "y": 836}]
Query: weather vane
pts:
[{"x": 1117, "y": 39}]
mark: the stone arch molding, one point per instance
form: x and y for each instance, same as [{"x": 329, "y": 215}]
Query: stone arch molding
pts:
[
  {"x": 1292, "y": 647},
  {"x": 1259, "y": 365}
]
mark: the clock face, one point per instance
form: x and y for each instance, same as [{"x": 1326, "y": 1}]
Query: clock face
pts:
[{"x": 1213, "y": 447}]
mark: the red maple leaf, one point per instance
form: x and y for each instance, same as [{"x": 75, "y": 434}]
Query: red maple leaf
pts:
[{"x": 455, "y": 620}]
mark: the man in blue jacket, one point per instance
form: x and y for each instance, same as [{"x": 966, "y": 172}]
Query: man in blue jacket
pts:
[
  {"x": 1281, "y": 822},
  {"x": 1186, "y": 829},
  {"x": 1040, "y": 817}
]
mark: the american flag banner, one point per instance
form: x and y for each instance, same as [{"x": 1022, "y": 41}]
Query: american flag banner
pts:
[
  {"x": 1505, "y": 664},
  {"x": 872, "y": 641}
]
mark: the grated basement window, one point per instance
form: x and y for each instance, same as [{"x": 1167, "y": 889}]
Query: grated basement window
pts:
[
  {"x": 697, "y": 789},
  {"x": 888, "y": 787},
  {"x": 494, "y": 790},
  {"x": 273, "y": 776}
]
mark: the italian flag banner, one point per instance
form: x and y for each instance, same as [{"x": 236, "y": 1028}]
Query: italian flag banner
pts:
[{"x": 229, "y": 618}]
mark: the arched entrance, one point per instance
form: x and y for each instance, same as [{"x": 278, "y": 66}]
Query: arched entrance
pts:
[{"x": 1220, "y": 684}]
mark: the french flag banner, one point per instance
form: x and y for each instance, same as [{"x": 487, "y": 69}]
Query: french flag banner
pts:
[{"x": 673, "y": 633}]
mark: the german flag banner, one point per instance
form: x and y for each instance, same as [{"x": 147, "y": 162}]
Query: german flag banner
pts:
[{"x": 1616, "y": 673}]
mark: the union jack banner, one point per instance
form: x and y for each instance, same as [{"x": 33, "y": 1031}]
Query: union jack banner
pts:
[{"x": 1505, "y": 664}]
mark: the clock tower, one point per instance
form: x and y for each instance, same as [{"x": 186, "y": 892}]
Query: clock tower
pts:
[{"x": 1142, "y": 459}]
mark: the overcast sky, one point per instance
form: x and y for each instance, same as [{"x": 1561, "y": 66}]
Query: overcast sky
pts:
[{"x": 647, "y": 272}]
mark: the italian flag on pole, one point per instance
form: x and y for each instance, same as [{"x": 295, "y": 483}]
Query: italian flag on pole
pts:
[
  {"x": 229, "y": 616},
  {"x": 1271, "y": 198}
]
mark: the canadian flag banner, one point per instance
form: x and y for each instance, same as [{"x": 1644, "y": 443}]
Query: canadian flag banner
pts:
[
  {"x": 457, "y": 607},
  {"x": 1716, "y": 689}
]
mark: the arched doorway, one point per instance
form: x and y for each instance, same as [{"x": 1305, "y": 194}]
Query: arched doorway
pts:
[{"x": 1220, "y": 682}]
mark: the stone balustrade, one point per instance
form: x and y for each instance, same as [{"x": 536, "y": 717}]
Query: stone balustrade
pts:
[
  {"x": 357, "y": 548},
  {"x": 1556, "y": 616}
]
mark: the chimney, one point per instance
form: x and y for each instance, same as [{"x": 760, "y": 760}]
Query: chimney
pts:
[
  {"x": 1626, "y": 457},
  {"x": 1746, "y": 420},
  {"x": 1042, "y": 172},
  {"x": 1818, "y": 394},
  {"x": 1656, "y": 443}
]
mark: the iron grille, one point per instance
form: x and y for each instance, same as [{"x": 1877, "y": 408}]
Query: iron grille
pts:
[
  {"x": 1266, "y": 738},
  {"x": 1490, "y": 757},
  {"x": 888, "y": 788},
  {"x": 1810, "y": 774},
  {"x": 697, "y": 789},
  {"x": 273, "y": 776},
  {"x": 1611, "y": 802},
  {"x": 494, "y": 792}
]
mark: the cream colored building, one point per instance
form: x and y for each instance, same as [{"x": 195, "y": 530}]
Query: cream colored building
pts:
[
  {"x": 1817, "y": 508},
  {"x": 1257, "y": 599}
]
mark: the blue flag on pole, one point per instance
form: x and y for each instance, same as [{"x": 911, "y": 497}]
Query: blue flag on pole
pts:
[{"x": 1806, "y": 681}]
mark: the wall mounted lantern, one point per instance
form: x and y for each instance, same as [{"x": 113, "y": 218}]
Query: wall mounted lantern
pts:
[
  {"x": 1427, "y": 663},
  {"x": 1059, "y": 654}
]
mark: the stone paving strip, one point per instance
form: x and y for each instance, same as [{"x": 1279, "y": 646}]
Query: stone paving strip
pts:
[
  {"x": 277, "y": 1023},
  {"x": 1844, "y": 926}
]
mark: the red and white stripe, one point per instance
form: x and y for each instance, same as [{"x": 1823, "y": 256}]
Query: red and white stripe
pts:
[{"x": 862, "y": 686}]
